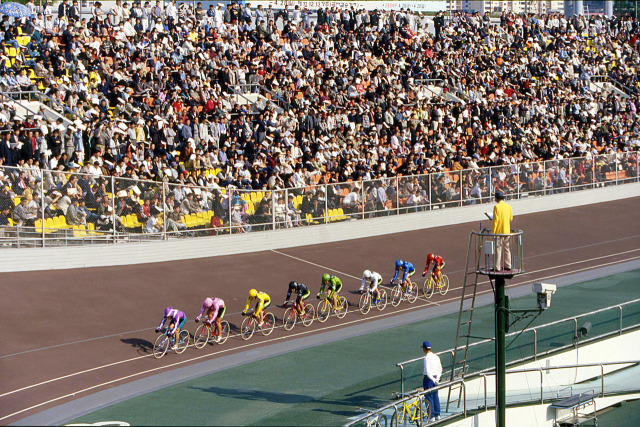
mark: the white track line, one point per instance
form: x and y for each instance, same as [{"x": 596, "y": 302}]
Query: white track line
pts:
[
  {"x": 285, "y": 337},
  {"x": 419, "y": 298},
  {"x": 317, "y": 265},
  {"x": 337, "y": 271}
]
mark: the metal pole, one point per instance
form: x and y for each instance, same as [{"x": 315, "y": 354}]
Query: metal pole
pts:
[
  {"x": 460, "y": 185},
  {"x": 397, "y": 195},
  {"x": 273, "y": 209},
  {"x": 362, "y": 199},
  {"x": 164, "y": 212},
  {"x": 42, "y": 203},
  {"x": 326, "y": 203},
  {"x": 501, "y": 324},
  {"x": 229, "y": 207},
  {"x": 113, "y": 206},
  {"x": 429, "y": 194}
]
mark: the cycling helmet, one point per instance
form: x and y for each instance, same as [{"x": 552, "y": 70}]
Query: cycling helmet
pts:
[
  {"x": 367, "y": 274},
  {"x": 253, "y": 293},
  {"x": 399, "y": 263},
  {"x": 431, "y": 257},
  {"x": 208, "y": 302},
  {"x": 325, "y": 277},
  {"x": 293, "y": 285},
  {"x": 167, "y": 311}
]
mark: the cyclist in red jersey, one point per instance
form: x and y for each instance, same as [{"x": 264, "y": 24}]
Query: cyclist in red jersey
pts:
[{"x": 438, "y": 264}]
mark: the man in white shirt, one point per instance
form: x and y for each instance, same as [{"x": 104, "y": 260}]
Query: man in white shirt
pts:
[{"x": 432, "y": 373}]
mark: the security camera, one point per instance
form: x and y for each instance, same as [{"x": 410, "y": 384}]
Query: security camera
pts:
[{"x": 544, "y": 291}]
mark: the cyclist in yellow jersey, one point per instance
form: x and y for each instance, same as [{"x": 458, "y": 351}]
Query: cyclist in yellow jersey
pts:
[{"x": 263, "y": 301}]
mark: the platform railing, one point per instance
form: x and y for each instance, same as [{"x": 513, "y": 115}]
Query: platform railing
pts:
[
  {"x": 225, "y": 210},
  {"x": 390, "y": 410},
  {"x": 542, "y": 340}
]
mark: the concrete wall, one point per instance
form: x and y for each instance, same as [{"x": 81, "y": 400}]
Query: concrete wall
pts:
[{"x": 136, "y": 253}]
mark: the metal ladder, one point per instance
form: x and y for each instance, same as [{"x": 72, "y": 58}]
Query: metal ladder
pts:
[{"x": 463, "y": 333}]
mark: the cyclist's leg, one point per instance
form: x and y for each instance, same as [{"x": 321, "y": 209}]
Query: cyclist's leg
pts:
[
  {"x": 337, "y": 293},
  {"x": 258, "y": 311},
  {"x": 263, "y": 308},
  {"x": 333, "y": 297},
  {"x": 218, "y": 330},
  {"x": 179, "y": 328},
  {"x": 408, "y": 280},
  {"x": 437, "y": 277},
  {"x": 300, "y": 302}
]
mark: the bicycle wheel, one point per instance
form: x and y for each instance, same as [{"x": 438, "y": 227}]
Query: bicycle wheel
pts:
[
  {"x": 224, "y": 334},
  {"x": 161, "y": 346},
  {"x": 309, "y": 315},
  {"x": 289, "y": 320},
  {"x": 201, "y": 337},
  {"x": 343, "y": 307},
  {"x": 183, "y": 341},
  {"x": 428, "y": 287},
  {"x": 365, "y": 303},
  {"x": 445, "y": 285},
  {"x": 382, "y": 300},
  {"x": 412, "y": 293},
  {"x": 248, "y": 327},
  {"x": 399, "y": 417},
  {"x": 396, "y": 295},
  {"x": 324, "y": 310},
  {"x": 426, "y": 410},
  {"x": 269, "y": 324}
]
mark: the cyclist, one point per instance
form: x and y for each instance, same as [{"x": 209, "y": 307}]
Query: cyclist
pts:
[
  {"x": 375, "y": 280},
  {"x": 408, "y": 270},
  {"x": 438, "y": 265},
  {"x": 302, "y": 293},
  {"x": 214, "y": 310},
  {"x": 177, "y": 319},
  {"x": 334, "y": 285},
  {"x": 263, "y": 301}
]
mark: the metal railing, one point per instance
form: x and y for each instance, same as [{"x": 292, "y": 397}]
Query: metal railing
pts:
[
  {"x": 619, "y": 85},
  {"x": 276, "y": 100},
  {"x": 218, "y": 210},
  {"x": 544, "y": 339},
  {"x": 397, "y": 406},
  {"x": 52, "y": 104},
  {"x": 392, "y": 409}
]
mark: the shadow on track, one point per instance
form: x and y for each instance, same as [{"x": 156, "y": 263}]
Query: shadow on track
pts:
[
  {"x": 142, "y": 346},
  {"x": 245, "y": 394}
]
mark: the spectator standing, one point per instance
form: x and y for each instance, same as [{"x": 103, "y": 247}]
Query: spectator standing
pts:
[
  {"x": 432, "y": 374},
  {"x": 502, "y": 217}
]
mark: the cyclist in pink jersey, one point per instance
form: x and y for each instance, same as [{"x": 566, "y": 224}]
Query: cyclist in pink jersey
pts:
[{"x": 214, "y": 309}]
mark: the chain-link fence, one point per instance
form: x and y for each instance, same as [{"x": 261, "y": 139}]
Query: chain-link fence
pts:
[{"x": 60, "y": 208}]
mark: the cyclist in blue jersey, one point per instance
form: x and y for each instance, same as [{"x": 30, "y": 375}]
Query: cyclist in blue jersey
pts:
[{"x": 408, "y": 271}]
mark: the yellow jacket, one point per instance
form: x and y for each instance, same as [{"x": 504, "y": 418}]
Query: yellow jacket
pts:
[{"x": 502, "y": 217}]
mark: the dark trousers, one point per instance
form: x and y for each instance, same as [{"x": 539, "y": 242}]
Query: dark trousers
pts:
[{"x": 432, "y": 398}]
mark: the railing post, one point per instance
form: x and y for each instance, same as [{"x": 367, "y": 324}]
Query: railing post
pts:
[
  {"x": 326, "y": 203},
  {"x": 570, "y": 175},
  {"x": 593, "y": 171},
  {"x": 602, "y": 378},
  {"x": 461, "y": 188},
  {"x": 429, "y": 195},
  {"x": 575, "y": 332},
  {"x": 401, "y": 378},
  {"x": 273, "y": 208},
  {"x": 535, "y": 344},
  {"x": 620, "y": 321},
  {"x": 541, "y": 388},
  {"x": 42, "y": 203},
  {"x": 164, "y": 211},
  {"x": 397, "y": 195},
  {"x": 230, "y": 207},
  {"x": 362, "y": 198},
  {"x": 113, "y": 207}
]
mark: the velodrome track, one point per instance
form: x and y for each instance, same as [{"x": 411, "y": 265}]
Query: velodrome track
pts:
[{"x": 69, "y": 333}]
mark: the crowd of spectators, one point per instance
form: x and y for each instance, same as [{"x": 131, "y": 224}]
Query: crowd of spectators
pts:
[{"x": 149, "y": 92}]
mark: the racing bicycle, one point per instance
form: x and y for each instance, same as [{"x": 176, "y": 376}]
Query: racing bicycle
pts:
[
  {"x": 166, "y": 341},
  {"x": 374, "y": 419},
  {"x": 204, "y": 334},
  {"x": 325, "y": 307},
  {"x": 433, "y": 283},
  {"x": 366, "y": 301},
  {"x": 413, "y": 411},
  {"x": 251, "y": 323},
  {"x": 291, "y": 315},
  {"x": 398, "y": 293}
]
